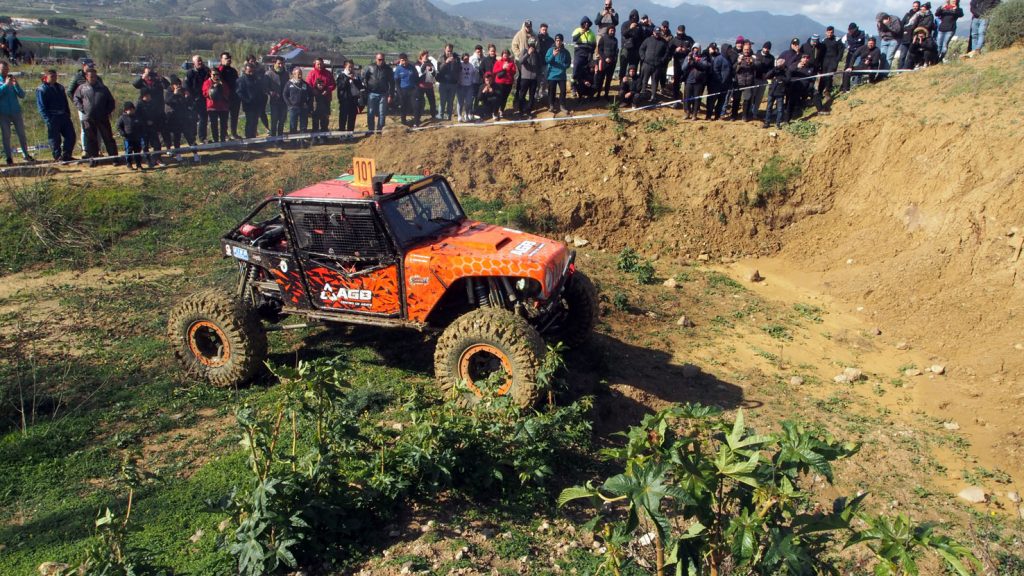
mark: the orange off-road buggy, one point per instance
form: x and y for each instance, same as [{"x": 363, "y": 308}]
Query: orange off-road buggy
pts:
[{"x": 393, "y": 251}]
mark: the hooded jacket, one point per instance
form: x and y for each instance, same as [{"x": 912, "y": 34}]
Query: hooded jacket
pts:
[
  {"x": 584, "y": 41},
  {"x": 521, "y": 40},
  {"x": 631, "y": 39},
  {"x": 696, "y": 69},
  {"x": 721, "y": 71}
]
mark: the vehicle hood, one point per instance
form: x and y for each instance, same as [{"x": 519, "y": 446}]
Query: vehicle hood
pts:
[{"x": 479, "y": 249}]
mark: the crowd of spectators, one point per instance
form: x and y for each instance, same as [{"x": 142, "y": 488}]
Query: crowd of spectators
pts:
[{"x": 649, "y": 64}]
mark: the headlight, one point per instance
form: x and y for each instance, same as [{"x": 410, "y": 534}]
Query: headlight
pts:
[{"x": 521, "y": 285}]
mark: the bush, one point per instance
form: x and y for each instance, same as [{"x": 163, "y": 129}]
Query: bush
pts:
[
  {"x": 1005, "y": 25},
  {"x": 631, "y": 263},
  {"x": 324, "y": 475},
  {"x": 715, "y": 497},
  {"x": 774, "y": 179}
]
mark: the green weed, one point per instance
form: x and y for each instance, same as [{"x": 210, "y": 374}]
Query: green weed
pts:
[{"x": 774, "y": 179}]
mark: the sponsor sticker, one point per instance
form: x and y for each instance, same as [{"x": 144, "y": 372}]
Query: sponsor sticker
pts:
[
  {"x": 419, "y": 280},
  {"x": 524, "y": 247},
  {"x": 240, "y": 253},
  {"x": 351, "y": 295}
]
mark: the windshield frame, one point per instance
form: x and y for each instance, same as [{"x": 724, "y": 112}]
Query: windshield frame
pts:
[{"x": 398, "y": 225}]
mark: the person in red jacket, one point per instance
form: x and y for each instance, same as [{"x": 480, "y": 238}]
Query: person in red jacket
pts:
[
  {"x": 218, "y": 104},
  {"x": 504, "y": 78},
  {"x": 321, "y": 82}
]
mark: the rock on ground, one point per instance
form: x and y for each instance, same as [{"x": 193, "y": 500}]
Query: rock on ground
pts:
[{"x": 973, "y": 495}]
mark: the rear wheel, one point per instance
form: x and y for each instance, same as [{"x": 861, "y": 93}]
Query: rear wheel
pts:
[
  {"x": 491, "y": 352},
  {"x": 580, "y": 312},
  {"x": 217, "y": 338}
]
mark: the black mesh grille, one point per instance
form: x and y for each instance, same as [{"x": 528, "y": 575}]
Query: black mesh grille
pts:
[{"x": 352, "y": 232}]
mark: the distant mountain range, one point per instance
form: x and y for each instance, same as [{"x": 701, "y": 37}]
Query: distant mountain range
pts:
[
  {"x": 345, "y": 17},
  {"x": 704, "y": 23}
]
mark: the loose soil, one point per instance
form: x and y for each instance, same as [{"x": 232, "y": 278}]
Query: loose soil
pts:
[{"x": 908, "y": 214}]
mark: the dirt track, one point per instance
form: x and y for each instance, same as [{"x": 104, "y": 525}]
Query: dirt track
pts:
[{"x": 909, "y": 212}]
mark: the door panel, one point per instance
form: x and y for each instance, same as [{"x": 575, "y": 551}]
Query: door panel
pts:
[
  {"x": 348, "y": 259},
  {"x": 374, "y": 290}
]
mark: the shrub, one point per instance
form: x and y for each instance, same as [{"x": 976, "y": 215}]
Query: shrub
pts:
[
  {"x": 714, "y": 497},
  {"x": 1005, "y": 25},
  {"x": 775, "y": 178},
  {"x": 323, "y": 475},
  {"x": 631, "y": 263}
]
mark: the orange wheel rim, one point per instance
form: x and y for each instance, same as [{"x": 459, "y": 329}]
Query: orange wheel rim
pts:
[
  {"x": 480, "y": 360},
  {"x": 208, "y": 344}
]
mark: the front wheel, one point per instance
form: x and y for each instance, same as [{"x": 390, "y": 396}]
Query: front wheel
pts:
[
  {"x": 489, "y": 347},
  {"x": 580, "y": 309},
  {"x": 217, "y": 338}
]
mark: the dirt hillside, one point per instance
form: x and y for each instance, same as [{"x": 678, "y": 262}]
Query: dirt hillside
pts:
[{"x": 909, "y": 209}]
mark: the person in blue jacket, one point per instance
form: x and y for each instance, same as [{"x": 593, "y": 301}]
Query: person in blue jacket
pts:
[
  {"x": 558, "y": 61},
  {"x": 10, "y": 114},
  {"x": 53, "y": 106}
]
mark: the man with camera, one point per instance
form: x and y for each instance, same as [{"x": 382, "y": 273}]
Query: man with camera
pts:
[{"x": 10, "y": 114}]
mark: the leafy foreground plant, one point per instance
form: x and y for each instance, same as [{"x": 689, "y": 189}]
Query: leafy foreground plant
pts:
[
  {"x": 324, "y": 475},
  {"x": 716, "y": 498}
]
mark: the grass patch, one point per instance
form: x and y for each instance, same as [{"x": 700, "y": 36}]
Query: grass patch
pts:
[
  {"x": 777, "y": 331},
  {"x": 774, "y": 179},
  {"x": 802, "y": 129},
  {"x": 660, "y": 125},
  {"x": 718, "y": 282},
  {"x": 808, "y": 311}
]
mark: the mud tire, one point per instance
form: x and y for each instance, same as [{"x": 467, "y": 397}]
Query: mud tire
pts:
[
  {"x": 580, "y": 298},
  {"x": 217, "y": 338},
  {"x": 519, "y": 343}
]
